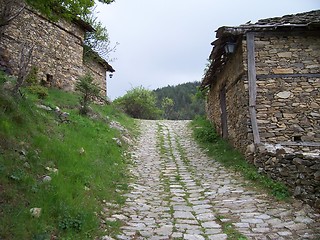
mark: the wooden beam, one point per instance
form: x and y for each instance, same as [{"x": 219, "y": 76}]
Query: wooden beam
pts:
[
  {"x": 292, "y": 75},
  {"x": 252, "y": 79},
  {"x": 223, "y": 106}
]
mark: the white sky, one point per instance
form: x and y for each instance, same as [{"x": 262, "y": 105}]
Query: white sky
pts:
[{"x": 167, "y": 42}]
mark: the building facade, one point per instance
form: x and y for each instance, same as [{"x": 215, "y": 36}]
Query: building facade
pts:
[
  {"x": 54, "y": 48},
  {"x": 265, "y": 97}
]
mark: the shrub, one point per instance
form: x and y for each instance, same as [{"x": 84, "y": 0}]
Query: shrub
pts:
[
  {"x": 139, "y": 103},
  {"x": 89, "y": 92},
  {"x": 40, "y": 91},
  {"x": 32, "y": 78},
  {"x": 205, "y": 132}
]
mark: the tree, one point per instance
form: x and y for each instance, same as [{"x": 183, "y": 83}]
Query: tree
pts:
[
  {"x": 186, "y": 98},
  {"x": 9, "y": 9},
  {"x": 65, "y": 8},
  {"x": 97, "y": 40},
  {"x": 167, "y": 106},
  {"x": 139, "y": 103},
  {"x": 89, "y": 92}
]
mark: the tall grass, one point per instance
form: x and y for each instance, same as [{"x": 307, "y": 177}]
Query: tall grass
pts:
[
  {"x": 91, "y": 168},
  {"x": 205, "y": 134}
]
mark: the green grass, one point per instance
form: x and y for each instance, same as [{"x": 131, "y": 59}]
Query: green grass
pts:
[
  {"x": 222, "y": 151},
  {"x": 32, "y": 139}
]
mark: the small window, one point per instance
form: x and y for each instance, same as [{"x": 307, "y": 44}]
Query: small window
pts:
[
  {"x": 49, "y": 78},
  {"x": 297, "y": 139}
]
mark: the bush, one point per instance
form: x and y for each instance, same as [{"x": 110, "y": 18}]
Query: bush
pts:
[
  {"x": 139, "y": 103},
  {"x": 40, "y": 91},
  {"x": 89, "y": 92},
  {"x": 205, "y": 131},
  {"x": 32, "y": 78}
]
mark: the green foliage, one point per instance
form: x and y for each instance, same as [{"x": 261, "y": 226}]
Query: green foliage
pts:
[
  {"x": 32, "y": 78},
  {"x": 32, "y": 140},
  {"x": 139, "y": 103},
  {"x": 187, "y": 104},
  {"x": 40, "y": 91},
  {"x": 89, "y": 92},
  {"x": 167, "y": 106},
  {"x": 204, "y": 131},
  {"x": 33, "y": 84},
  {"x": 231, "y": 158},
  {"x": 68, "y": 9},
  {"x": 229, "y": 229},
  {"x": 97, "y": 41}
]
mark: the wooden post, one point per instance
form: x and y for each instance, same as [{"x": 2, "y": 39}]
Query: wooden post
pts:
[
  {"x": 223, "y": 106},
  {"x": 252, "y": 77}
]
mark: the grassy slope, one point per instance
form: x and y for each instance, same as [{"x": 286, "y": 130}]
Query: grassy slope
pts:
[{"x": 32, "y": 139}]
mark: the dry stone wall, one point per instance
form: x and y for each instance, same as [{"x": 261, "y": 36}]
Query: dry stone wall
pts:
[
  {"x": 98, "y": 72},
  {"x": 288, "y": 107},
  {"x": 300, "y": 170},
  {"x": 288, "y": 112}
]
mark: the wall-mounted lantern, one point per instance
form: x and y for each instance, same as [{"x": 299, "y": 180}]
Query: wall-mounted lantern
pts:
[
  {"x": 230, "y": 47},
  {"x": 110, "y": 75}
]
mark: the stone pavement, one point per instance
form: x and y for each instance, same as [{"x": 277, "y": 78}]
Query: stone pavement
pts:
[{"x": 180, "y": 193}]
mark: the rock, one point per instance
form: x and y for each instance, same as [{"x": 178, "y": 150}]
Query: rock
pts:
[
  {"x": 35, "y": 212},
  {"x": 315, "y": 167},
  {"x": 120, "y": 217},
  {"x": 314, "y": 114},
  {"x": 282, "y": 70},
  {"x": 251, "y": 148},
  {"x": 53, "y": 170},
  {"x": 297, "y": 128},
  {"x": 46, "y": 179},
  {"x": 117, "y": 126},
  {"x": 285, "y": 94},
  {"x": 299, "y": 161},
  {"x": 317, "y": 176},
  {"x": 107, "y": 238},
  {"x": 117, "y": 141},
  {"x": 289, "y": 115},
  {"x": 297, "y": 191},
  {"x": 44, "y": 107},
  {"x": 82, "y": 151},
  {"x": 26, "y": 165},
  {"x": 23, "y": 152}
]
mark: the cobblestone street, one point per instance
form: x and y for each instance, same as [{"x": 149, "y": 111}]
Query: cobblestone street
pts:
[{"x": 180, "y": 193}]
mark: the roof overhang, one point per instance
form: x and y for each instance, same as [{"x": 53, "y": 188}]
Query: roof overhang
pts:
[{"x": 219, "y": 58}]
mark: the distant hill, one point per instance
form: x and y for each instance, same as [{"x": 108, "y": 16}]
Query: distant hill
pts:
[{"x": 186, "y": 103}]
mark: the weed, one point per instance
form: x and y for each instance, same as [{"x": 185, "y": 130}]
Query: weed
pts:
[{"x": 231, "y": 158}]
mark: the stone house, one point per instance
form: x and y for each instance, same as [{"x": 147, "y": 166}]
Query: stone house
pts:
[
  {"x": 263, "y": 87},
  {"x": 56, "y": 49}
]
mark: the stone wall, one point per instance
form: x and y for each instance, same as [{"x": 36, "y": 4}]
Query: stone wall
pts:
[
  {"x": 288, "y": 107},
  {"x": 98, "y": 72},
  {"x": 57, "y": 49},
  {"x": 288, "y": 112},
  {"x": 298, "y": 169},
  {"x": 233, "y": 78}
]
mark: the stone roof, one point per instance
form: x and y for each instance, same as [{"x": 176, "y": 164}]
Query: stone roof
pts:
[
  {"x": 300, "y": 18},
  {"x": 301, "y": 21},
  {"x": 96, "y": 57}
]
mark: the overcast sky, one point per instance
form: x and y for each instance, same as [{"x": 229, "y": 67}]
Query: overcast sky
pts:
[{"x": 167, "y": 42}]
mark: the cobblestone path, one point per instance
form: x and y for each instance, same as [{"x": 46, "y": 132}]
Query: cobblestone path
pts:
[{"x": 180, "y": 193}]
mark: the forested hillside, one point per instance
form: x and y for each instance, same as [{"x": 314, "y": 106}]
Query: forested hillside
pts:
[{"x": 182, "y": 101}]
